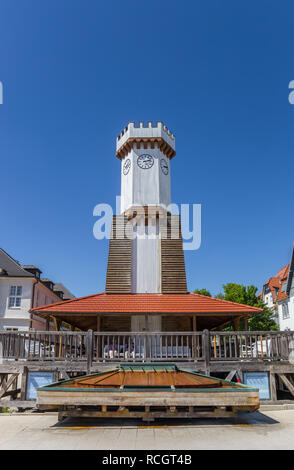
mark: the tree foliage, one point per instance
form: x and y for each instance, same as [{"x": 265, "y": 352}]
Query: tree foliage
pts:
[
  {"x": 246, "y": 295},
  {"x": 202, "y": 292}
]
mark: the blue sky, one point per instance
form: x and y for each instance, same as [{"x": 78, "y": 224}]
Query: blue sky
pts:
[{"x": 216, "y": 73}]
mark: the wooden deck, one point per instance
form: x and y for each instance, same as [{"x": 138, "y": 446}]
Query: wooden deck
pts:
[{"x": 68, "y": 353}]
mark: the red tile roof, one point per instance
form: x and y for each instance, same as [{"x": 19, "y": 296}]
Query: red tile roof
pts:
[
  {"x": 283, "y": 272},
  {"x": 132, "y": 303},
  {"x": 282, "y": 292},
  {"x": 275, "y": 282}
]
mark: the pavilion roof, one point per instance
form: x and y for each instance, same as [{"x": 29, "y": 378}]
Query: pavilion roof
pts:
[{"x": 146, "y": 303}]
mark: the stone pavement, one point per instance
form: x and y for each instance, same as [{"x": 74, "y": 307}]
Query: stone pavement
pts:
[{"x": 259, "y": 430}]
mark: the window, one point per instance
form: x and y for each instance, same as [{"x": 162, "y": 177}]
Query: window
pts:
[
  {"x": 285, "y": 311},
  {"x": 15, "y": 296}
]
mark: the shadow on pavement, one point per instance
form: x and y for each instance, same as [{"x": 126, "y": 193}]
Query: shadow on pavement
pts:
[{"x": 243, "y": 419}]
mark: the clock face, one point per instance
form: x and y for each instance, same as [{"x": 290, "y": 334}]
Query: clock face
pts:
[
  {"x": 145, "y": 161},
  {"x": 164, "y": 166},
  {"x": 127, "y": 166}
]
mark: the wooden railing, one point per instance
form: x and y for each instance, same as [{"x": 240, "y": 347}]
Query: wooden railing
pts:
[
  {"x": 94, "y": 347},
  {"x": 44, "y": 345},
  {"x": 251, "y": 345},
  {"x": 145, "y": 346}
]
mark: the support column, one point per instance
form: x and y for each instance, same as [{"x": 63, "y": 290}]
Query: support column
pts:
[
  {"x": 273, "y": 386},
  {"x": 206, "y": 350},
  {"x": 89, "y": 349},
  {"x": 56, "y": 324},
  {"x": 194, "y": 338},
  {"x": 23, "y": 387},
  {"x": 236, "y": 323}
]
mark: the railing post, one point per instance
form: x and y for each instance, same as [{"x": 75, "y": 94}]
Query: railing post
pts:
[
  {"x": 206, "y": 351},
  {"x": 89, "y": 349}
]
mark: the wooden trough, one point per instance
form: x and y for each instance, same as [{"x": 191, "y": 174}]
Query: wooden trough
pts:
[{"x": 147, "y": 391}]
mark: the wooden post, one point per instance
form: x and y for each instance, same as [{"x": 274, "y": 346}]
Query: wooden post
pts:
[
  {"x": 246, "y": 324},
  {"x": 57, "y": 328},
  {"x": 47, "y": 324},
  {"x": 206, "y": 350},
  {"x": 56, "y": 324},
  {"x": 195, "y": 338},
  {"x": 23, "y": 386},
  {"x": 236, "y": 323},
  {"x": 273, "y": 387},
  {"x": 89, "y": 350}
]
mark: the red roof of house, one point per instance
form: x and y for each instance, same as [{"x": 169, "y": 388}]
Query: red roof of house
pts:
[
  {"x": 283, "y": 272},
  {"x": 132, "y": 303},
  {"x": 275, "y": 282}
]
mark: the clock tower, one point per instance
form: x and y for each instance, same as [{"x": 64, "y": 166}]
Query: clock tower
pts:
[
  {"x": 145, "y": 251},
  {"x": 145, "y": 154}
]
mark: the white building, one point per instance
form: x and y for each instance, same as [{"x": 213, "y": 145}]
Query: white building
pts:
[
  {"x": 285, "y": 299},
  {"x": 271, "y": 289},
  {"x": 21, "y": 289}
]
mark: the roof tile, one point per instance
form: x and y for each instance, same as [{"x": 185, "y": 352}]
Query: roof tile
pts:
[{"x": 132, "y": 303}]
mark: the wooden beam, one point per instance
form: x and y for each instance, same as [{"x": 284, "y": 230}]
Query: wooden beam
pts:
[
  {"x": 7, "y": 384},
  {"x": 64, "y": 374},
  {"x": 236, "y": 323},
  {"x": 287, "y": 383},
  {"x": 273, "y": 386},
  {"x": 194, "y": 321},
  {"x": 56, "y": 324},
  {"x": 230, "y": 375},
  {"x": 23, "y": 387}
]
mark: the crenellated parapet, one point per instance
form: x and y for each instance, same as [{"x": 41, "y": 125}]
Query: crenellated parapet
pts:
[{"x": 158, "y": 136}]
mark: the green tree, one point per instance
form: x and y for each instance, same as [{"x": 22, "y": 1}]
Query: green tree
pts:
[
  {"x": 247, "y": 295},
  {"x": 220, "y": 296},
  {"x": 202, "y": 292}
]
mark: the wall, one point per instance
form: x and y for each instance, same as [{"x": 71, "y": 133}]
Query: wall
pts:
[
  {"x": 16, "y": 317},
  {"x": 145, "y": 186},
  {"x": 116, "y": 323},
  {"x": 177, "y": 323},
  {"x": 287, "y": 323},
  {"x": 146, "y": 273},
  {"x": 19, "y": 317}
]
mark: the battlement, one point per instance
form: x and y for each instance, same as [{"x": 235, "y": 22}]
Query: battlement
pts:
[{"x": 131, "y": 131}]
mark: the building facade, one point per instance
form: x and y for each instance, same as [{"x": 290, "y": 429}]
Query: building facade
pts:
[
  {"x": 21, "y": 288},
  {"x": 285, "y": 298},
  {"x": 271, "y": 289}
]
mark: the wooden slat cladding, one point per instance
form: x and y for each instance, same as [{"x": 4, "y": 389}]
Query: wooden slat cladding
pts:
[
  {"x": 173, "y": 272},
  {"x": 176, "y": 323},
  {"x": 116, "y": 323},
  {"x": 119, "y": 267}
]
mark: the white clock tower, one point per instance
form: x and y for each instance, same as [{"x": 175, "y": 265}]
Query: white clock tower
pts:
[
  {"x": 153, "y": 261},
  {"x": 145, "y": 154}
]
